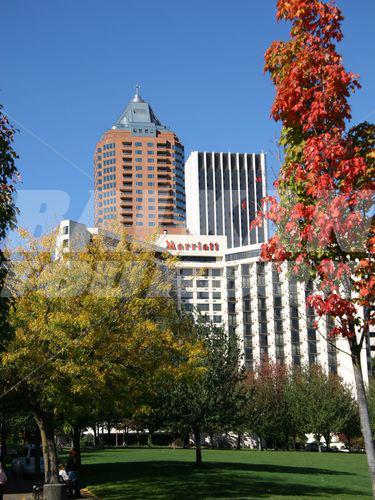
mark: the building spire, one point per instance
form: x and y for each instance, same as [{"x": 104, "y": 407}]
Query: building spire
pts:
[{"x": 137, "y": 97}]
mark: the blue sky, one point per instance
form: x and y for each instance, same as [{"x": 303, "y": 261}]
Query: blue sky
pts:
[{"x": 69, "y": 68}]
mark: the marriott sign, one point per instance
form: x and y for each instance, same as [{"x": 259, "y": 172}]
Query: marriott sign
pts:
[{"x": 200, "y": 247}]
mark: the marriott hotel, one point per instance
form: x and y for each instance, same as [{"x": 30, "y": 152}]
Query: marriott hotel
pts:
[{"x": 141, "y": 181}]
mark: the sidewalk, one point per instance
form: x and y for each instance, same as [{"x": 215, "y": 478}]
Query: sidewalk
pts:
[{"x": 20, "y": 489}]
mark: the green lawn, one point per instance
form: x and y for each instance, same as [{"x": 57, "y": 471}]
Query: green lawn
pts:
[{"x": 119, "y": 474}]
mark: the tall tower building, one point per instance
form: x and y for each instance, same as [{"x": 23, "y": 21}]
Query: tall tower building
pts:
[
  {"x": 225, "y": 192},
  {"x": 139, "y": 173}
]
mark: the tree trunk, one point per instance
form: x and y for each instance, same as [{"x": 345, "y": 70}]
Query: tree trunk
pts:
[
  {"x": 327, "y": 438},
  {"x": 4, "y": 434},
  {"x": 109, "y": 433},
  {"x": 45, "y": 421},
  {"x": 37, "y": 456},
  {"x": 318, "y": 438},
  {"x": 260, "y": 446},
  {"x": 149, "y": 439},
  {"x": 186, "y": 441},
  {"x": 95, "y": 435},
  {"x": 211, "y": 440},
  {"x": 198, "y": 446},
  {"x": 77, "y": 445},
  {"x": 363, "y": 412},
  {"x": 238, "y": 446}
]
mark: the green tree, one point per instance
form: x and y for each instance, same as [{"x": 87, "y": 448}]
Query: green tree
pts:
[
  {"x": 92, "y": 322},
  {"x": 211, "y": 400},
  {"x": 268, "y": 414},
  {"x": 328, "y": 403},
  {"x": 9, "y": 176}
]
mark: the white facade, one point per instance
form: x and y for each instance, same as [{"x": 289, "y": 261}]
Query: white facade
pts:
[
  {"x": 224, "y": 192},
  {"x": 264, "y": 307}
]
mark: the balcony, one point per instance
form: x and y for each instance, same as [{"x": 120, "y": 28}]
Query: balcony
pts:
[
  {"x": 124, "y": 193},
  {"x": 165, "y": 145}
]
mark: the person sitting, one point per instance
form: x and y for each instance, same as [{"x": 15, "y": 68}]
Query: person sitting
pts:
[
  {"x": 74, "y": 483},
  {"x": 64, "y": 478},
  {"x": 63, "y": 475}
]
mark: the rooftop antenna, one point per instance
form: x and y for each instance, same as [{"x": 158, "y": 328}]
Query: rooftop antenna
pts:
[{"x": 137, "y": 97}]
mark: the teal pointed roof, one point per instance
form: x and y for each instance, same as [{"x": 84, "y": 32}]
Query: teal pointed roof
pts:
[{"x": 138, "y": 116}]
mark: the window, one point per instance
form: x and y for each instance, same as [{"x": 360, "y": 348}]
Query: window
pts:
[
  {"x": 216, "y": 272},
  {"x": 138, "y": 160},
  {"x": 151, "y": 191},
  {"x": 139, "y": 200},
  {"x": 150, "y": 144},
  {"x": 139, "y": 183},
  {"x": 138, "y": 151},
  {"x": 203, "y": 307},
  {"x": 151, "y": 216},
  {"x": 151, "y": 223},
  {"x": 150, "y": 168},
  {"x": 216, "y": 295},
  {"x": 216, "y": 307},
  {"x": 139, "y": 191},
  {"x": 138, "y": 167},
  {"x": 151, "y": 207},
  {"x": 151, "y": 200},
  {"x": 186, "y": 295},
  {"x": 186, "y": 272},
  {"x": 137, "y": 144},
  {"x": 150, "y": 176},
  {"x": 150, "y": 152},
  {"x": 216, "y": 319},
  {"x": 65, "y": 230},
  {"x": 187, "y": 283},
  {"x": 150, "y": 160},
  {"x": 139, "y": 216},
  {"x": 216, "y": 284},
  {"x": 203, "y": 295},
  {"x": 138, "y": 207},
  {"x": 65, "y": 243},
  {"x": 150, "y": 183},
  {"x": 139, "y": 224},
  {"x": 202, "y": 283}
]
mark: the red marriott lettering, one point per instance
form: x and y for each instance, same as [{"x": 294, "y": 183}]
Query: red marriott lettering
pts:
[{"x": 200, "y": 247}]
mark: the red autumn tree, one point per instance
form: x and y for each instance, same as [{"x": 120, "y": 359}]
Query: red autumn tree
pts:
[{"x": 323, "y": 214}]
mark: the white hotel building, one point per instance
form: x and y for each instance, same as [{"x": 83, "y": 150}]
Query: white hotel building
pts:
[{"x": 221, "y": 275}]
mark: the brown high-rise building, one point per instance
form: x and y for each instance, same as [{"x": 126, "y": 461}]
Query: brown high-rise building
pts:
[{"x": 139, "y": 173}]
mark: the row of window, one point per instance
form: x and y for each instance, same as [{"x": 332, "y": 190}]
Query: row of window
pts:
[
  {"x": 201, "y": 272},
  {"x": 200, "y": 295},
  {"x": 108, "y": 153}
]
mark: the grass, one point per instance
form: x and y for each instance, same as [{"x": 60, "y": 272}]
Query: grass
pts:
[{"x": 120, "y": 474}]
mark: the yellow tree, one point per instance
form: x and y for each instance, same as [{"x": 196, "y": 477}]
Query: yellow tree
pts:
[{"x": 97, "y": 322}]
